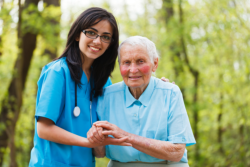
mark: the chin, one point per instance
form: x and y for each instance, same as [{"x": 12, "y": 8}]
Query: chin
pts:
[
  {"x": 133, "y": 86},
  {"x": 94, "y": 57}
]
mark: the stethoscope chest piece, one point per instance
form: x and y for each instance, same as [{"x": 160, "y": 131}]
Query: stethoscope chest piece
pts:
[{"x": 76, "y": 111}]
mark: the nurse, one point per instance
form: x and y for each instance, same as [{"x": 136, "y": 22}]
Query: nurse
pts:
[{"x": 67, "y": 91}]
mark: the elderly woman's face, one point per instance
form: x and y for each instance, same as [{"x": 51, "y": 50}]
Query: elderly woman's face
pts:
[{"x": 135, "y": 66}]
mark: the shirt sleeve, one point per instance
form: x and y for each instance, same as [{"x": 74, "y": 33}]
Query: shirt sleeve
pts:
[
  {"x": 179, "y": 128},
  {"x": 51, "y": 96}
]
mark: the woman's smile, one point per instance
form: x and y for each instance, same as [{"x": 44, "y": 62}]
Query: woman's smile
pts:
[{"x": 94, "y": 49}]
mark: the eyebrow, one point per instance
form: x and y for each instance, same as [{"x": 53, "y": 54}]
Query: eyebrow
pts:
[{"x": 97, "y": 30}]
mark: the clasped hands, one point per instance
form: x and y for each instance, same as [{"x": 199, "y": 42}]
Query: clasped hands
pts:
[{"x": 98, "y": 135}]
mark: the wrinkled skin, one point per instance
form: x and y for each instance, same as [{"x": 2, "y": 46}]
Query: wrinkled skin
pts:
[{"x": 156, "y": 148}]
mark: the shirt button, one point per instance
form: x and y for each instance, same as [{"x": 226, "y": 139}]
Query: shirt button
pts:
[
  {"x": 183, "y": 139},
  {"x": 135, "y": 115}
]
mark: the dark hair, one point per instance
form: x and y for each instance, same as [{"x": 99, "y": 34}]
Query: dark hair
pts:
[{"x": 103, "y": 65}]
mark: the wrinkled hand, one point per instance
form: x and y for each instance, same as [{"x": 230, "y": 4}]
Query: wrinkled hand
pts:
[
  {"x": 96, "y": 138},
  {"x": 111, "y": 129},
  {"x": 95, "y": 135},
  {"x": 166, "y": 80}
]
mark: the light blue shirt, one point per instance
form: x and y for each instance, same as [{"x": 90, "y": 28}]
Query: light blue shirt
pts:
[
  {"x": 158, "y": 114},
  {"x": 56, "y": 101}
]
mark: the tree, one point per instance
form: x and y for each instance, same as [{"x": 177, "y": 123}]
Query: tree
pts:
[{"x": 13, "y": 100}]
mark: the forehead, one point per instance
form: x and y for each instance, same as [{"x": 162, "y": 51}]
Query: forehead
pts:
[
  {"x": 103, "y": 26},
  {"x": 137, "y": 51}
]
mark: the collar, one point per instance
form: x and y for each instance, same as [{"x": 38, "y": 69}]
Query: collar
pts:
[{"x": 145, "y": 96}]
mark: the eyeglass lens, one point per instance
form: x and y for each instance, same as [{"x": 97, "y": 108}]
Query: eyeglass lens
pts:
[{"x": 93, "y": 35}]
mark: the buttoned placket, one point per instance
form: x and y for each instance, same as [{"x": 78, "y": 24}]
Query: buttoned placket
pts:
[{"x": 135, "y": 116}]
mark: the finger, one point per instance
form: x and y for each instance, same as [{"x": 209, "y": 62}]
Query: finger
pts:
[
  {"x": 173, "y": 82},
  {"x": 90, "y": 140},
  {"x": 96, "y": 135},
  {"x": 109, "y": 132},
  {"x": 99, "y": 130},
  {"x": 164, "y": 79},
  {"x": 97, "y": 122},
  {"x": 93, "y": 139},
  {"x": 107, "y": 126},
  {"x": 121, "y": 141}
]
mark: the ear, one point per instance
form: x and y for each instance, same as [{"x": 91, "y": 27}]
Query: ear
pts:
[
  {"x": 77, "y": 38},
  {"x": 155, "y": 64}
]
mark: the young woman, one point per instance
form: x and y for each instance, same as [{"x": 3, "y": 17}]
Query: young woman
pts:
[{"x": 67, "y": 91}]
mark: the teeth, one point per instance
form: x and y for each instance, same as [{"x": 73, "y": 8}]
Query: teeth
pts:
[{"x": 94, "y": 48}]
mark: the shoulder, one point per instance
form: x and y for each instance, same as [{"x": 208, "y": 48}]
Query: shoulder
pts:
[
  {"x": 58, "y": 66},
  {"x": 159, "y": 84},
  {"x": 112, "y": 91},
  {"x": 57, "y": 70},
  {"x": 117, "y": 87}
]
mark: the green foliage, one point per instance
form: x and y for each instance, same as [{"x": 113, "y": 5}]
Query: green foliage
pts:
[{"x": 217, "y": 40}]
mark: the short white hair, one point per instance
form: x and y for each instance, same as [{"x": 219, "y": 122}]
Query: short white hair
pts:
[{"x": 142, "y": 41}]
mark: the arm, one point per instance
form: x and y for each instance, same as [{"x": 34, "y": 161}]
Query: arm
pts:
[
  {"x": 47, "y": 130},
  {"x": 156, "y": 148},
  {"x": 99, "y": 152}
]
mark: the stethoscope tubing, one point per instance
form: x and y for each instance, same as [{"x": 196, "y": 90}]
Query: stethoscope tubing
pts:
[{"x": 90, "y": 107}]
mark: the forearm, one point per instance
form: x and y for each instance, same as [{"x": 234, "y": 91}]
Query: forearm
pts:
[
  {"x": 158, "y": 149},
  {"x": 99, "y": 152},
  {"x": 49, "y": 131}
]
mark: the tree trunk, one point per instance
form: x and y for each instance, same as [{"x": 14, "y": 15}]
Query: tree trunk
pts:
[
  {"x": 195, "y": 74},
  {"x": 13, "y": 100},
  {"x": 52, "y": 53},
  {"x": 220, "y": 130},
  {"x": 168, "y": 9}
]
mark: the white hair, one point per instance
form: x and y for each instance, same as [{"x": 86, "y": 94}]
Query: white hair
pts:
[{"x": 142, "y": 41}]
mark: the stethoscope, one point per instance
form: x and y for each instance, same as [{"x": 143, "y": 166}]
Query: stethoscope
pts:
[{"x": 77, "y": 110}]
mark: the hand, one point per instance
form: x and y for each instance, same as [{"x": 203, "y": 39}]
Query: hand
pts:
[
  {"x": 95, "y": 135},
  {"x": 96, "y": 138},
  {"x": 111, "y": 129},
  {"x": 166, "y": 80}
]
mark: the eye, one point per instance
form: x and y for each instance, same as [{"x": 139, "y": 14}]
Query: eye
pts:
[
  {"x": 106, "y": 37},
  {"x": 91, "y": 33},
  {"x": 141, "y": 61},
  {"x": 126, "y": 62}
]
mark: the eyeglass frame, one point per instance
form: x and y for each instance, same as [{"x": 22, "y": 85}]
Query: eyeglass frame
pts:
[{"x": 84, "y": 31}]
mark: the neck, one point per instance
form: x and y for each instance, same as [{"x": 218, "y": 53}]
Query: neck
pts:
[
  {"x": 86, "y": 65},
  {"x": 136, "y": 92}
]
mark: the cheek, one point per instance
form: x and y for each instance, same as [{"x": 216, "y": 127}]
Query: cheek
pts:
[
  {"x": 145, "y": 69},
  {"x": 124, "y": 70}
]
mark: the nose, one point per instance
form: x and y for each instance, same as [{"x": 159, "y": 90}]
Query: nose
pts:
[
  {"x": 133, "y": 68},
  {"x": 97, "y": 40}
]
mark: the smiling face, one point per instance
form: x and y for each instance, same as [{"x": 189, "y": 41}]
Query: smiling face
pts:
[
  {"x": 94, "y": 48},
  {"x": 136, "y": 67}
]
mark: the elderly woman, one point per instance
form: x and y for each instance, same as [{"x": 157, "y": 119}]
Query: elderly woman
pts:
[{"x": 150, "y": 112}]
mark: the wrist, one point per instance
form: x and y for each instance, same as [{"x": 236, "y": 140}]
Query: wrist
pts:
[
  {"x": 86, "y": 143},
  {"x": 131, "y": 138}
]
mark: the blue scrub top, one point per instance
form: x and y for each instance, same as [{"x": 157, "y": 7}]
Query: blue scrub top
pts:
[
  {"x": 158, "y": 114},
  {"x": 56, "y": 101}
]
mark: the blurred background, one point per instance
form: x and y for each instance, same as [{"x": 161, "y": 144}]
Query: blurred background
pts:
[{"x": 204, "y": 46}]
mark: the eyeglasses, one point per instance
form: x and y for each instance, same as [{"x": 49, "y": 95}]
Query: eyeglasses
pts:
[{"x": 93, "y": 35}]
